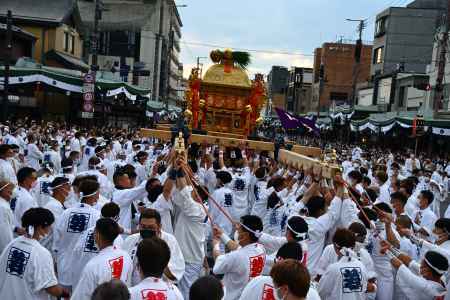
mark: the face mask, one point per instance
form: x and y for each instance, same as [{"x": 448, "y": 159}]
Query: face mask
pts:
[
  {"x": 147, "y": 233},
  {"x": 439, "y": 237},
  {"x": 34, "y": 184},
  {"x": 278, "y": 294},
  {"x": 359, "y": 246},
  {"x": 236, "y": 236}
]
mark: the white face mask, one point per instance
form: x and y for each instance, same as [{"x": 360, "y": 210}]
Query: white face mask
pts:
[
  {"x": 278, "y": 294},
  {"x": 44, "y": 237},
  {"x": 34, "y": 184},
  {"x": 359, "y": 246},
  {"x": 236, "y": 237}
]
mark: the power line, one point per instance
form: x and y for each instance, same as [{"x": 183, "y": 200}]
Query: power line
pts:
[
  {"x": 249, "y": 50},
  {"x": 210, "y": 45}
]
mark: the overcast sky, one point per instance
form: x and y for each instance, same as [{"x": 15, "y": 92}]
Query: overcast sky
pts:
[{"x": 293, "y": 26}]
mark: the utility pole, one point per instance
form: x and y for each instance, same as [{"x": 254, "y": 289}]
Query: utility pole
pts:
[
  {"x": 156, "y": 67},
  {"x": 200, "y": 70},
  {"x": 358, "y": 54},
  {"x": 95, "y": 35},
  {"x": 7, "y": 62},
  {"x": 321, "y": 86},
  {"x": 443, "y": 44}
]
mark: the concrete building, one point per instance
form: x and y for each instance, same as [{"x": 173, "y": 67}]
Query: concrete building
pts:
[
  {"x": 299, "y": 90},
  {"x": 443, "y": 106},
  {"x": 335, "y": 72},
  {"x": 404, "y": 37},
  {"x": 276, "y": 88},
  {"x": 406, "y": 95},
  {"x": 140, "y": 40}
]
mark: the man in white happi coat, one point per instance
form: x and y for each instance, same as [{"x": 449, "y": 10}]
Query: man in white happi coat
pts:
[
  {"x": 7, "y": 172},
  {"x": 71, "y": 225},
  {"x": 26, "y": 267},
  {"x": 262, "y": 287},
  {"x": 153, "y": 255},
  {"x": 33, "y": 154},
  {"x": 245, "y": 262},
  {"x": 110, "y": 263},
  {"x": 23, "y": 199},
  {"x": 149, "y": 226},
  {"x": 7, "y": 223}
]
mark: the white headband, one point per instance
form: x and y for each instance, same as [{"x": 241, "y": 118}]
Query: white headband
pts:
[
  {"x": 86, "y": 196},
  {"x": 4, "y": 186},
  {"x": 59, "y": 185},
  {"x": 300, "y": 235},
  {"x": 440, "y": 272},
  {"x": 256, "y": 233}
]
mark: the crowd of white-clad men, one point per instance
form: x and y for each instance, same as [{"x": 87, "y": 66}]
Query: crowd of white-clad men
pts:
[{"x": 108, "y": 214}]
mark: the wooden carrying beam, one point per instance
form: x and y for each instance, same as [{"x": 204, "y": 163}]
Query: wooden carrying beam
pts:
[
  {"x": 307, "y": 151},
  {"x": 305, "y": 162},
  {"x": 210, "y": 139}
]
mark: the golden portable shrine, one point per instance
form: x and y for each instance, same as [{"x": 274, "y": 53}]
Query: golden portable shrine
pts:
[
  {"x": 225, "y": 100},
  {"x": 225, "y": 106}
]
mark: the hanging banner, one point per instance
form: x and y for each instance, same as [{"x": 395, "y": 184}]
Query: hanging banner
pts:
[
  {"x": 87, "y": 111},
  {"x": 441, "y": 131},
  {"x": 387, "y": 128},
  {"x": 404, "y": 125},
  {"x": 45, "y": 79},
  {"x": 373, "y": 127},
  {"x": 363, "y": 127},
  {"x": 121, "y": 90}
]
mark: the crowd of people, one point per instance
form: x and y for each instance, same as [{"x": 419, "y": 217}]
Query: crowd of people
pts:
[{"x": 109, "y": 214}]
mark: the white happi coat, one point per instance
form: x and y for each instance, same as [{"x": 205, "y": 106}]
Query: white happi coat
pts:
[
  {"x": 155, "y": 288},
  {"x": 262, "y": 288},
  {"x": 176, "y": 263},
  {"x": 414, "y": 286},
  {"x": 239, "y": 267},
  {"x": 7, "y": 224},
  {"x": 317, "y": 229},
  {"x": 124, "y": 198},
  {"x": 66, "y": 232},
  {"x": 85, "y": 249},
  {"x": 344, "y": 280},
  {"x": 26, "y": 270},
  {"x": 33, "y": 156},
  {"x": 110, "y": 263},
  {"x": 7, "y": 172},
  {"x": 22, "y": 202}
]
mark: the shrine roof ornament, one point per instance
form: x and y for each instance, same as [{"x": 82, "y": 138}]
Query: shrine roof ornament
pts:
[{"x": 229, "y": 69}]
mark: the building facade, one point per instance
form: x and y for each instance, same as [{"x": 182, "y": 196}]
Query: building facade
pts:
[
  {"x": 140, "y": 41},
  {"x": 299, "y": 90},
  {"x": 404, "y": 36},
  {"x": 336, "y": 73},
  {"x": 56, "y": 25},
  {"x": 276, "y": 88}
]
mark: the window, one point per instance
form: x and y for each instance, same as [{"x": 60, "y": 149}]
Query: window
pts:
[
  {"x": 69, "y": 42},
  {"x": 380, "y": 27},
  {"x": 378, "y": 55},
  {"x": 66, "y": 41},
  {"x": 401, "y": 97},
  {"x": 72, "y": 49}
]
